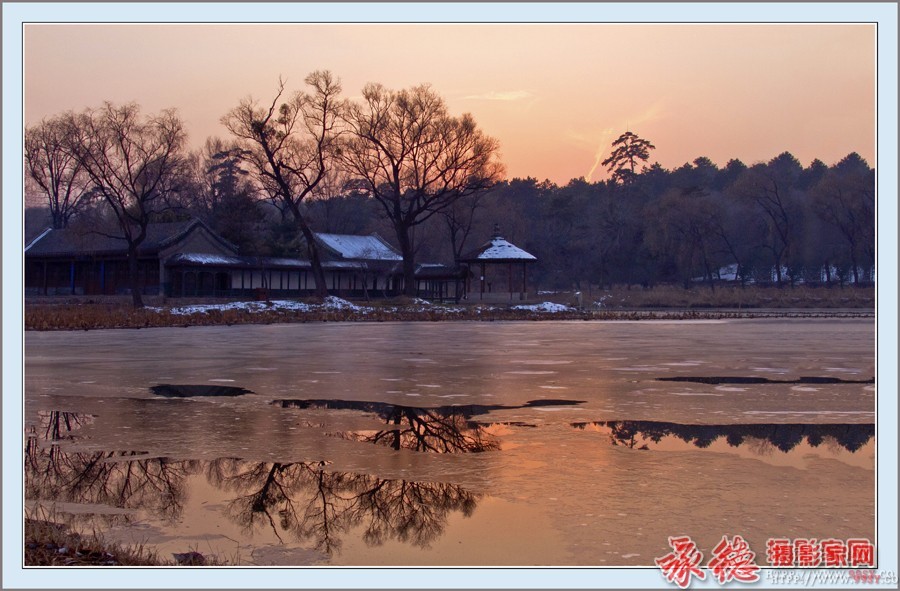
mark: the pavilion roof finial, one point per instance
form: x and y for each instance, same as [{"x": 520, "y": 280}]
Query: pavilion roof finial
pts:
[{"x": 496, "y": 231}]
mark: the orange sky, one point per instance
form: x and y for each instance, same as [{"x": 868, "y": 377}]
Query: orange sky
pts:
[{"x": 554, "y": 95}]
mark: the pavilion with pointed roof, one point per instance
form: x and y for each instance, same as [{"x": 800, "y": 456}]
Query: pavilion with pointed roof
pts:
[{"x": 499, "y": 269}]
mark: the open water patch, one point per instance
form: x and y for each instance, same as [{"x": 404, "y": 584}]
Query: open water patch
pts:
[
  {"x": 192, "y": 390},
  {"x": 715, "y": 380},
  {"x": 439, "y": 429}
]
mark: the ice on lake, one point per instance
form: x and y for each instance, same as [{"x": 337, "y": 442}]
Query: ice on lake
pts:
[{"x": 502, "y": 443}]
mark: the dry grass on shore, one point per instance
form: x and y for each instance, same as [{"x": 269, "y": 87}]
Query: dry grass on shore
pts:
[
  {"x": 49, "y": 542},
  {"x": 617, "y": 304},
  {"x": 722, "y": 297}
]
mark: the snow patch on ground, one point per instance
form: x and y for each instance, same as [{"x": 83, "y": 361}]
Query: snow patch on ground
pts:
[
  {"x": 330, "y": 303},
  {"x": 252, "y": 307},
  {"x": 544, "y": 307},
  {"x": 333, "y": 303},
  {"x": 336, "y": 303},
  {"x": 601, "y": 303}
]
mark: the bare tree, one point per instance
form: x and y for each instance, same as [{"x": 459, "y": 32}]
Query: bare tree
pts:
[
  {"x": 459, "y": 218},
  {"x": 134, "y": 164},
  {"x": 52, "y": 166},
  {"x": 770, "y": 188},
  {"x": 416, "y": 159},
  {"x": 289, "y": 149},
  {"x": 683, "y": 227},
  {"x": 845, "y": 199}
]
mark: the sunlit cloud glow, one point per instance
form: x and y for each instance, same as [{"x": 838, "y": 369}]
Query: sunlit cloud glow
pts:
[
  {"x": 493, "y": 95},
  {"x": 652, "y": 113},
  {"x": 692, "y": 90}
]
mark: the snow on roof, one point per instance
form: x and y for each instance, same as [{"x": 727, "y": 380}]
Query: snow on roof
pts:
[
  {"x": 349, "y": 246},
  {"x": 241, "y": 262},
  {"x": 37, "y": 239},
  {"x": 499, "y": 249},
  {"x": 207, "y": 259}
]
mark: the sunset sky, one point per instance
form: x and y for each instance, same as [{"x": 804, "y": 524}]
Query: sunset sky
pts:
[{"x": 555, "y": 95}]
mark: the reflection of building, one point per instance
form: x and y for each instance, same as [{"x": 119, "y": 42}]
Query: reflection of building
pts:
[{"x": 499, "y": 269}]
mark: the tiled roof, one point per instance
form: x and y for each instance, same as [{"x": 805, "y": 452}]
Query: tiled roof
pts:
[
  {"x": 359, "y": 248},
  {"x": 80, "y": 242},
  {"x": 498, "y": 249},
  {"x": 193, "y": 259}
]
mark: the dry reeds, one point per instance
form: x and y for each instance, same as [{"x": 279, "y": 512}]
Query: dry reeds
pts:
[
  {"x": 49, "y": 542},
  {"x": 637, "y": 303}
]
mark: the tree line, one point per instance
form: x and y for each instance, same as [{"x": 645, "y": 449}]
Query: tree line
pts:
[
  {"x": 774, "y": 222},
  {"x": 398, "y": 162}
]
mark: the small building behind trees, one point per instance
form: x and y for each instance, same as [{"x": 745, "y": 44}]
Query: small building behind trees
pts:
[{"x": 498, "y": 270}]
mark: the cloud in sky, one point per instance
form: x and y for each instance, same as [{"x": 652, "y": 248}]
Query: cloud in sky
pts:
[{"x": 503, "y": 95}]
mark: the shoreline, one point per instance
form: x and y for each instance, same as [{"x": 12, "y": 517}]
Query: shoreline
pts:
[{"x": 95, "y": 316}]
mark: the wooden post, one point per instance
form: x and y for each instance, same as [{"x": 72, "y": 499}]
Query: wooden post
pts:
[
  {"x": 524, "y": 280},
  {"x": 482, "y": 280},
  {"x": 72, "y": 276}
]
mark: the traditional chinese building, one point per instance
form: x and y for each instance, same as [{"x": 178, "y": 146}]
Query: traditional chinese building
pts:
[
  {"x": 498, "y": 270},
  {"x": 188, "y": 259},
  {"x": 87, "y": 262}
]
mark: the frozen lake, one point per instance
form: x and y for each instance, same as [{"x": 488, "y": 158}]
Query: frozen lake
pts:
[{"x": 455, "y": 443}]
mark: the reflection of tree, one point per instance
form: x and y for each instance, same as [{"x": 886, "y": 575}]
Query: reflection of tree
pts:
[
  {"x": 310, "y": 503},
  {"x": 413, "y": 512},
  {"x": 300, "y": 499},
  {"x": 125, "y": 479},
  {"x": 431, "y": 431},
  {"x": 442, "y": 429},
  {"x": 54, "y": 426},
  {"x": 784, "y": 437},
  {"x": 625, "y": 434}
]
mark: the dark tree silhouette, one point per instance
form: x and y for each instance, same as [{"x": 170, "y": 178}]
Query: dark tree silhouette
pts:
[
  {"x": 135, "y": 164},
  {"x": 310, "y": 503},
  {"x": 52, "y": 166},
  {"x": 225, "y": 198},
  {"x": 771, "y": 189},
  {"x": 845, "y": 199},
  {"x": 628, "y": 150},
  {"x": 416, "y": 159},
  {"x": 290, "y": 148}
]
